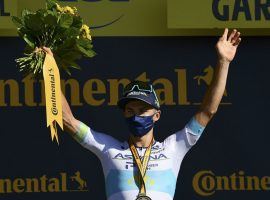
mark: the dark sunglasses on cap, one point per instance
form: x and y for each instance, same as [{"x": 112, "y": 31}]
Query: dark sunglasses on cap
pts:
[{"x": 138, "y": 86}]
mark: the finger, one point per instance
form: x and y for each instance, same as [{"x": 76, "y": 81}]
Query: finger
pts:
[
  {"x": 47, "y": 50},
  {"x": 237, "y": 42},
  {"x": 225, "y": 34},
  {"x": 232, "y": 35},
  {"x": 236, "y": 36}
]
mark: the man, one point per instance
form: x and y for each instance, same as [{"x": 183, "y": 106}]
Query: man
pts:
[{"x": 129, "y": 167}]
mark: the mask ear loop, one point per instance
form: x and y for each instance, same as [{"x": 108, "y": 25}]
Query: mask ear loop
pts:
[{"x": 153, "y": 115}]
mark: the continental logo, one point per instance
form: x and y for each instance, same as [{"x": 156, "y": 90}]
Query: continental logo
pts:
[
  {"x": 96, "y": 92},
  {"x": 44, "y": 184},
  {"x": 207, "y": 183},
  {"x": 53, "y": 96}
]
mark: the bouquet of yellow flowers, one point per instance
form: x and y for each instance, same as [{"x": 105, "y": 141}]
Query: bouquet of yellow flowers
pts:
[
  {"x": 59, "y": 28},
  {"x": 62, "y": 30}
]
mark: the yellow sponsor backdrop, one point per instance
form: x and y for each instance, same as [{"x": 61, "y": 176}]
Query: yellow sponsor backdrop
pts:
[
  {"x": 7, "y": 8},
  {"x": 145, "y": 17},
  {"x": 219, "y": 14},
  {"x": 250, "y": 16}
]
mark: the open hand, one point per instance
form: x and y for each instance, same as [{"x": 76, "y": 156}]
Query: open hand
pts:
[{"x": 227, "y": 46}]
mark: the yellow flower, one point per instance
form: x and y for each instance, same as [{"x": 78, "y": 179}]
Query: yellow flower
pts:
[
  {"x": 85, "y": 32},
  {"x": 69, "y": 10},
  {"x": 85, "y": 28},
  {"x": 89, "y": 37},
  {"x": 66, "y": 9},
  {"x": 75, "y": 9},
  {"x": 59, "y": 8}
]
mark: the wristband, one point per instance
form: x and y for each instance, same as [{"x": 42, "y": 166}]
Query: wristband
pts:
[
  {"x": 81, "y": 133},
  {"x": 195, "y": 126}
]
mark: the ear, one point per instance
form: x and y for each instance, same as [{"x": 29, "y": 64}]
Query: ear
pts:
[{"x": 156, "y": 116}]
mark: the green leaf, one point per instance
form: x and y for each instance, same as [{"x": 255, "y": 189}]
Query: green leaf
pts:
[
  {"x": 17, "y": 21},
  {"x": 66, "y": 21},
  {"x": 71, "y": 32},
  {"x": 65, "y": 68},
  {"x": 22, "y": 31},
  {"x": 42, "y": 12},
  {"x": 88, "y": 53},
  {"x": 67, "y": 44},
  {"x": 34, "y": 22},
  {"x": 26, "y": 12},
  {"x": 50, "y": 4},
  {"x": 28, "y": 49},
  {"x": 85, "y": 43},
  {"x": 77, "y": 22},
  {"x": 50, "y": 20},
  {"x": 75, "y": 66},
  {"x": 29, "y": 41}
]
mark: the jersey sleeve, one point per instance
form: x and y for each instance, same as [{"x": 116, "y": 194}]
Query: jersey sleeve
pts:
[
  {"x": 184, "y": 139},
  {"x": 96, "y": 142}
]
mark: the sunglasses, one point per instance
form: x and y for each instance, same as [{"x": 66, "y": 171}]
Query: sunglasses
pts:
[{"x": 138, "y": 86}]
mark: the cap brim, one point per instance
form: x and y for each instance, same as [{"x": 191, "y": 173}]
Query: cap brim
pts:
[{"x": 123, "y": 101}]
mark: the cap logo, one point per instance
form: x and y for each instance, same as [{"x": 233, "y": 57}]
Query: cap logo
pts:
[{"x": 137, "y": 93}]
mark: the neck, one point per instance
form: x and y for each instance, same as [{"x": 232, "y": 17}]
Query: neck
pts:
[{"x": 143, "y": 141}]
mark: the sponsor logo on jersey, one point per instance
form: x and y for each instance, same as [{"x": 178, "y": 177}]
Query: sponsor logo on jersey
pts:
[{"x": 121, "y": 156}]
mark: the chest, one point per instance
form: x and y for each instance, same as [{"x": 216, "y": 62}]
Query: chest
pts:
[
  {"x": 160, "y": 159},
  {"x": 122, "y": 173}
]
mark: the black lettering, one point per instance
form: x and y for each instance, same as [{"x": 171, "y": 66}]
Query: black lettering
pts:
[
  {"x": 224, "y": 16},
  {"x": 2, "y": 9},
  {"x": 238, "y": 8},
  {"x": 262, "y": 7},
  {"x": 54, "y": 110}
]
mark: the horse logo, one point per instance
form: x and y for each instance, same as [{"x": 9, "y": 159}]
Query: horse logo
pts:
[
  {"x": 79, "y": 180},
  {"x": 207, "y": 77}
]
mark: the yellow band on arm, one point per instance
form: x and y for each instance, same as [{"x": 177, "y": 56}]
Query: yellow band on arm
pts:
[{"x": 81, "y": 133}]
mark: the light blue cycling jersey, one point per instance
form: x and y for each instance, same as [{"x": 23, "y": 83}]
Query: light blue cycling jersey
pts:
[{"x": 120, "y": 170}]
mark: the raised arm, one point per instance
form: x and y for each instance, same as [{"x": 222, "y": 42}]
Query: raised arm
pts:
[
  {"x": 71, "y": 125},
  {"x": 92, "y": 140},
  {"x": 226, "y": 50}
]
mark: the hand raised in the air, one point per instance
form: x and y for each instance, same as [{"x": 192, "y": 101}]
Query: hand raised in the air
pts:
[{"x": 227, "y": 45}]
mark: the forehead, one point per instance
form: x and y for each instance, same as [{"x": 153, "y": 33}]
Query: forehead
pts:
[{"x": 137, "y": 104}]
